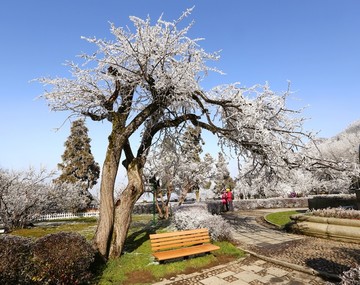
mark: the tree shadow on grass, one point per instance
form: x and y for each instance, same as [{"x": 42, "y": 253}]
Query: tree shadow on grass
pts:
[{"x": 137, "y": 238}]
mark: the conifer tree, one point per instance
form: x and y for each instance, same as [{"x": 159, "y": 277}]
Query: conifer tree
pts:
[
  {"x": 78, "y": 164},
  {"x": 222, "y": 177},
  {"x": 190, "y": 161}
]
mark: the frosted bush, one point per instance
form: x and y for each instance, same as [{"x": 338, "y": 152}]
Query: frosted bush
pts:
[
  {"x": 336, "y": 213},
  {"x": 351, "y": 277},
  {"x": 195, "y": 217}
]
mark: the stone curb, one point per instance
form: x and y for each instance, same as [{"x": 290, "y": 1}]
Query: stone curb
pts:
[{"x": 294, "y": 266}]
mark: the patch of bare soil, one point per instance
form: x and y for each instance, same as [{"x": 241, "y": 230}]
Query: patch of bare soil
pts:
[{"x": 139, "y": 277}]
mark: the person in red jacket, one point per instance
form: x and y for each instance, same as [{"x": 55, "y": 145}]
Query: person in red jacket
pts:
[{"x": 229, "y": 198}]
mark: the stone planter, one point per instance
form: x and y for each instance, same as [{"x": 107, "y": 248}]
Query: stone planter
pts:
[{"x": 346, "y": 230}]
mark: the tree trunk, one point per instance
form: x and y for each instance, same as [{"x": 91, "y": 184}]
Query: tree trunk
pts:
[
  {"x": 125, "y": 205},
  {"x": 163, "y": 210},
  {"x": 102, "y": 238},
  {"x": 184, "y": 192}
]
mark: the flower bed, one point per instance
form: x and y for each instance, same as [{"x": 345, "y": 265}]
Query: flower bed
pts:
[{"x": 347, "y": 230}]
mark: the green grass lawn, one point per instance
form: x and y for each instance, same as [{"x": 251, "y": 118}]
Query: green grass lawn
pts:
[
  {"x": 83, "y": 226},
  {"x": 136, "y": 265},
  {"x": 281, "y": 218}
]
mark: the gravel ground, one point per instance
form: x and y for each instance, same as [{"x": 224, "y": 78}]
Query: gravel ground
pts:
[{"x": 320, "y": 254}]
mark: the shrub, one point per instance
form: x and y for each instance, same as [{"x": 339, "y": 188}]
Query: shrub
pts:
[
  {"x": 195, "y": 217},
  {"x": 15, "y": 260},
  {"x": 63, "y": 258},
  {"x": 341, "y": 213},
  {"x": 351, "y": 277}
]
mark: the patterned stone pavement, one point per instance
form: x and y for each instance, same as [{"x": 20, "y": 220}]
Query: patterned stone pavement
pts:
[
  {"x": 246, "y": 271},
  {"x": 253, "y": 269}
]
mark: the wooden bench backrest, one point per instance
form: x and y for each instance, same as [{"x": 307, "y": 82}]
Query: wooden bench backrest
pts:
[{"x": 164, "y": 241}]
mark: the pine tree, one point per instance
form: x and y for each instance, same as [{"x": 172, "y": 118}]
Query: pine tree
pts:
[
  {"x": 190, "y": 161},
  {"x": 222, "y": 177},
  {"x": 78, "y": 164}
]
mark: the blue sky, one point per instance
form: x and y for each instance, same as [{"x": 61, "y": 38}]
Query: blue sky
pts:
[{"x": 314, "y": 44}]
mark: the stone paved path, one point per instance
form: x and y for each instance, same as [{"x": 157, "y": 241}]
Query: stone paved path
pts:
[
  {"x": 249, "y": 232},
  {"x": 252, "y": 270}
]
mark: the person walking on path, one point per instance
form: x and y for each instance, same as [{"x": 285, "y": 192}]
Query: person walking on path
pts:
[{"x": 229, "y": 197}]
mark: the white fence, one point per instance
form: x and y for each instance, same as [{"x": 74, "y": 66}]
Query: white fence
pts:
[{"x": 61, "y": 216}]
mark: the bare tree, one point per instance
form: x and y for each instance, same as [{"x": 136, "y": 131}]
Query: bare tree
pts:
[{"x": 150, "y": 80}]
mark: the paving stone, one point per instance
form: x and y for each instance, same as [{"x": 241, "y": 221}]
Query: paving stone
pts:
[
  {"x": 226, "y": 274},
  {"x": 260, "y": 262},
  {"x": 247, "y": 276},
  {"x": 276, "y": 271},
  {"x": 253, "y": 268}
]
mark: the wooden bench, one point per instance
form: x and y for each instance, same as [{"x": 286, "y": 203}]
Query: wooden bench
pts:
[{"x": 181, "y": 244}]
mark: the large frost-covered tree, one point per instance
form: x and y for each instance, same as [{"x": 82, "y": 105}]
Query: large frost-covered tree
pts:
[
  {"x": 150, "y": 79},
  {"x": 344, "y": 150},
  {"x": 330, "y": 166}
]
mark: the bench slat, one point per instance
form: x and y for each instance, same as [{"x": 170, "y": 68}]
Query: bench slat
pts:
[
  {"x": 178, "y": 244},
  {"x": 179, "y": 233},
  {"x": 182, "y": 252}
]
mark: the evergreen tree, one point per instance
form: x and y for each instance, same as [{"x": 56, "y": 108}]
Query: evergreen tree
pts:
[
  {"x": 190, "y": 161},
  {"x": 222, "y": 177},
  {"x": 209, "y": 168},
  {"x": 78, "y": 164}
]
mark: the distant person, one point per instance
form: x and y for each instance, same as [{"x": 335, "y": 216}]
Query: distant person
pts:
[
  {"x": 224, "y": 206},
  {"x": 229, "y": 198}
]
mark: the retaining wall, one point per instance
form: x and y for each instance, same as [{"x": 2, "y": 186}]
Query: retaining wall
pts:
[{"x": 346, "y": 230}]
